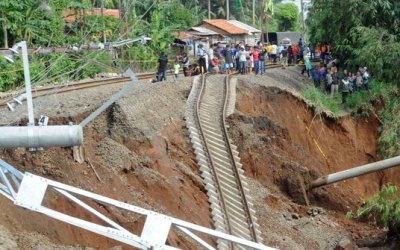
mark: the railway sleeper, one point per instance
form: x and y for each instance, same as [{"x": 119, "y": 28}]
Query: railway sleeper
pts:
[
  {"x": 223, "y": 245},
  {"x": 238, "y": 221},
  {"x": 217, "y": 133},
  {"x": 216, "y": 139},
  {"x": 218, "y": 149},
  {"x": 231, "y": 195},
  {"x": 226, "y": 179},
  {"x": 231, "y": 198},
  {"x": 241, "y": 230},
  {"x": 208, "y": 129},
  {"x": 236, "y": 211}
]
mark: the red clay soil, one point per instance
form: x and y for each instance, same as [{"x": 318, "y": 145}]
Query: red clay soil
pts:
[
  {"x": 279, "y": 138},
  {"x": 162, "y": 177},
  {"x": 160, "y": 172}
]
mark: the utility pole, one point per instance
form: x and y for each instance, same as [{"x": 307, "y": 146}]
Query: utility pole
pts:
[
  {"x": 254, "y": 12},
  {"x": 227, "y": 9},
  {"x": 302, "y": 18},
  {"x": 209, "y": 9}
]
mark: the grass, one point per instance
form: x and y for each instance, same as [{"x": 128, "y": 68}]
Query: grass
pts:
[
  {"x": 321, "y": 101},
  {"x": 383, "y": 101}
]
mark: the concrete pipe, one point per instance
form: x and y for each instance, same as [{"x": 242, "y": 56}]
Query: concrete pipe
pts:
[
  {"x": 41, "y": 136},
  {"x": 357, "y": 171}
]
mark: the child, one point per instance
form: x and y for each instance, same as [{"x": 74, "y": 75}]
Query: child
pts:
[{"x": 177, "y": 67}]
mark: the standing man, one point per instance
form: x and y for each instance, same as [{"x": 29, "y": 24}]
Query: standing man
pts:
[
  {"x": 185, "y": 64},
  {"x": 242, "y": 54},
  {"x": 201, "y": 54},
  {"x": 284, "y": 53},
  {"x": 256, "y": 59},
  {"x": 261, "y": 55},
  {"x": 228, "y": 59},
  {"x": 162, "y": 67},
  {"x": 274, "y": 52}
]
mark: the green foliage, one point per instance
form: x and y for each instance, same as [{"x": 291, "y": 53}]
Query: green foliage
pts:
[
  {"x": 368, "y": 38},
  {"x": 321, "y": 102},
  {"x": 11, "y": 74},
  {"x": 366, "y": 33},
  {"x": 383, "y": 208},
  {"x": 381, "y": 100},
  {"x": 287, "y": 17},
  {"x": 389, "y": 140}
]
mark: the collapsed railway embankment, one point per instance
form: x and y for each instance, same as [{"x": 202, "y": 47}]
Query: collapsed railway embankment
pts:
[{"x": 142, "y": 153}]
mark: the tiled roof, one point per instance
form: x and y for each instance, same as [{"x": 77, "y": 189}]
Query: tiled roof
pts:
[
  {"x": 225, "y": 25},
  {"x": 70, "y": 17}
]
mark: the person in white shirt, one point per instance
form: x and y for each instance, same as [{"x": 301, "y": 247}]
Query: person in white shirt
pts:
[
  {"x": 274, "y": 51},
  {"x": 201, "y": 54},
  {"x": 242, "y": 54}
]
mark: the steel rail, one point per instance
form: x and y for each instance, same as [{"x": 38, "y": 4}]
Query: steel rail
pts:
[
  {"x": 225, "y": 198},
  {"x": 235, "y": 168},
  {"x": 217, "y": 181}
]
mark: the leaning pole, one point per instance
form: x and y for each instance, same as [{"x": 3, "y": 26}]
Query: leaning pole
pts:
[{"x": 355, "y": 172}]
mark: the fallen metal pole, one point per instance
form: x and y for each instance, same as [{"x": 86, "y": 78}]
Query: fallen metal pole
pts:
[
  {"x": 355, "y": 172},
  {"x": 41, "y": 136}
]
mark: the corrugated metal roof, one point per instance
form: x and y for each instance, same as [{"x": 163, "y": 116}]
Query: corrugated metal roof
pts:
[
  {"x": 204, "y": 31},
  {"x": 247, "y": 27},
  {"x": 224, "y": 25}
]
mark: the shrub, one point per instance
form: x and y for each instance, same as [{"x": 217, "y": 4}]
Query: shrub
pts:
[
  {"x": 383, "y": 208},
  {"x": 320, "y": 101}
]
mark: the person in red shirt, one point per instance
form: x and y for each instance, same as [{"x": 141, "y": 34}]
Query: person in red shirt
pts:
[
  {"x": 256, "y": 59},
  {"x": 295, "y": 51}
]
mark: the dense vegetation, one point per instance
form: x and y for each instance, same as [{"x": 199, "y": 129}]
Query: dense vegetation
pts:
[
  {"x": 367, "y": 33},
  {"x": 41, "y": 23}
]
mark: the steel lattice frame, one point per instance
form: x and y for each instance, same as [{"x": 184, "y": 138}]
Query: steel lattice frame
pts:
[{"x": 29, "y": 190}]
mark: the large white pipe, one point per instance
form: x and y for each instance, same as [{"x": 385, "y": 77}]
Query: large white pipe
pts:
[
  {"x": 357, "y": 171},
  {"x": 41, "y": 136}
]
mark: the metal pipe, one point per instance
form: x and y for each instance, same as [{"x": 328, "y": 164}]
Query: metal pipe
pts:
[
  {"x": 28, "y": 87},
  {"x": 355, "y": 172},
  {"x": 41, "y": 136}
]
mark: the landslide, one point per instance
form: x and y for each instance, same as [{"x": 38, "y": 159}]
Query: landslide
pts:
[
  {"x": 280, "y": 139},
  {"x": 141, "y": 151}
]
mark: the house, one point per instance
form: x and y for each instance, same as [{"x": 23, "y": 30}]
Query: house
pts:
[
  {"x": 253, "y": 34},
  {"x": 226, "y": 32}
]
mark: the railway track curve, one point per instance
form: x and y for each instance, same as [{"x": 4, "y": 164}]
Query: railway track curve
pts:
[{"x": 219, "y": 162}]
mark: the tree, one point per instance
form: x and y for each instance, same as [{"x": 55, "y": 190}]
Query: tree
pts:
[
  {"x": 371, "y": 37},
  {"x": 287, "y": 17},
  {"x": 10, "y": 15}
]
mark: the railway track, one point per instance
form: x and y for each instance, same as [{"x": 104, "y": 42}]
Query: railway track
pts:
[
  {"x": 48, "y": 90},
  {"x": 224, "y": 179}
]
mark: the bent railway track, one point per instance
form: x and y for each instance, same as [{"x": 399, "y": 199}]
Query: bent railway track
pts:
[{"x": 226, "y": 186}]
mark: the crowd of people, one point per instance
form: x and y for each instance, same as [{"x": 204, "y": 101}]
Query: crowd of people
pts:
[
  {"x": 329, "y": 79},
  {"x": 246, "y": 59},
  {"x": 240, "y": 57}
]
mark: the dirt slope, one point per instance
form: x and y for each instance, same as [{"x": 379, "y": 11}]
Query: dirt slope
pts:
[{"x": 143, "y": 156}]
